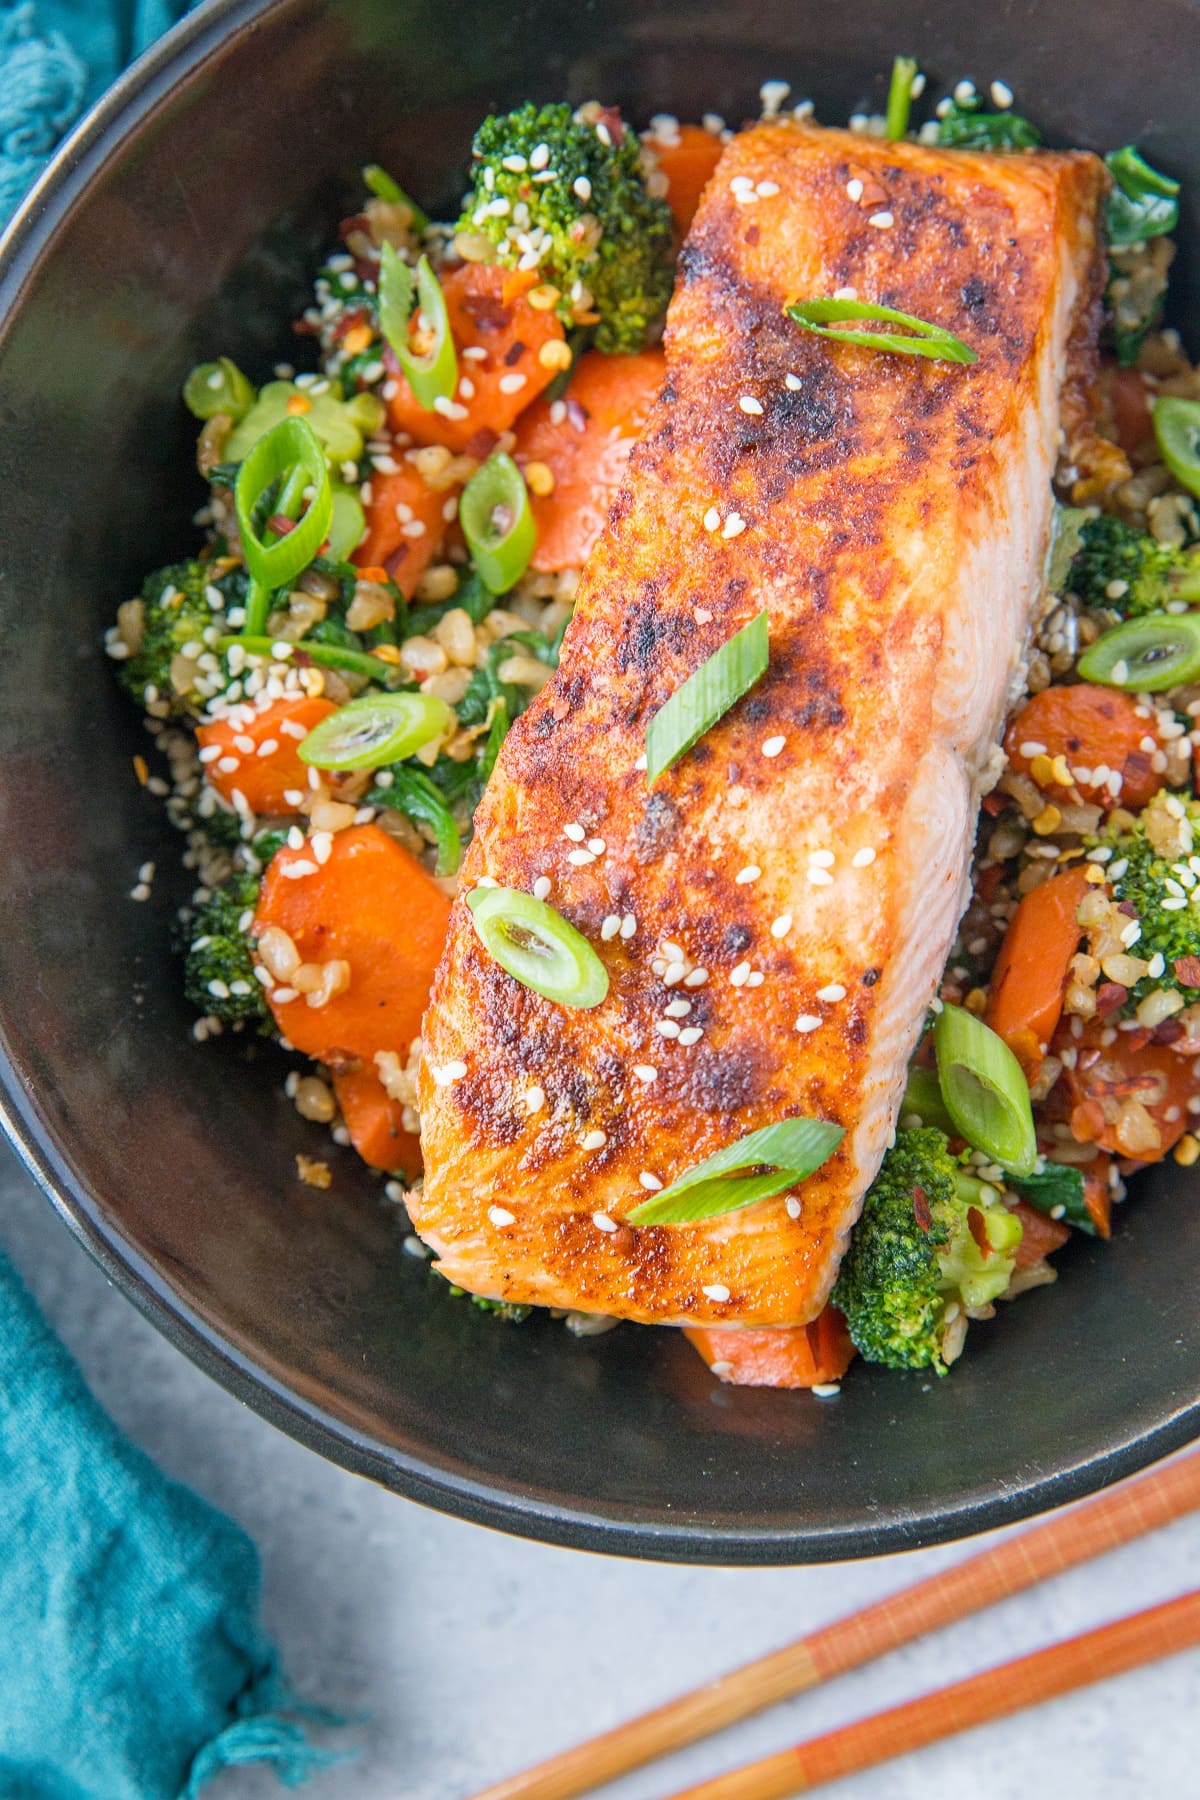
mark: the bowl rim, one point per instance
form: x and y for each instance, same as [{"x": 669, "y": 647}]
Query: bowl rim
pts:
[{"x": 24, "y": 244}]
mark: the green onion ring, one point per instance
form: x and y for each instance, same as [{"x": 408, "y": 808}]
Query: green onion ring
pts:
[
  {"x": 537, "y": 946},
  {"x": 375, "y": 730},
  {"x": 985, "y": 1091},
  {"x": 433, "y": 375},
  {"x": 706, "y": 696},
  {"x": 497, "y": 522}
]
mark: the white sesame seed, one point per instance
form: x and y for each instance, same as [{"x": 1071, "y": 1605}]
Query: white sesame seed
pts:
[
  {"x": 628, "y": 926},
  {"x": 595, "y": 1140},
  {"x": 721, "y": 1369},
  {"x": 834, "y": 991},
  {"x": 734, "y": 526},
  {"x": 738, "y": 976},
  {"x": 500, "y": 1215},
  {"x": 1172, "y": 905},
  {"x": 792, "y": 1206},
  {"x": 845, "y": 293},
  {"x": 1119, "y": 674},
  {"x": 750, "y": 873},
  {"x": 640, "y": 762},
  {"x": 773, "y": 94},
  {"x": 696, "y": 979},
  {"x": 1131, "y": 933},
  {"x": 882, "y": 221},
  {"x": 767, "y": 190},
  {"x": 1156, "y": 966},
  {"x": 717, "y": 1290},
  {"x": 826, "y": 1390},
  {"x": 773, "y": 745},
  {"x": 749, "y": 404},
  {"x": 701, "y": 615},
  {"x": 645, "y": 1072},
  {"x": 691, "y": 1034},
  {"x": 602, "y": 1222},
  {"x": 782, "y": 925},
  {"x": 582, "y": 187},
  {"x": 535, "y": 1099},
  {"x": 650, "y": 1181},
  {"x": 487, "y": 881},
  {"x": 448, "y": 1073},
  {"x": 666, "y": 1028},
  {"x": 297, "y": 870},
  {"x": 674, "y": 973},
  {"x": 140, "y": 891},
  {"x": 597, "y": 846},
  {"x": 576, "y": 833},
  {"x": 579, "y": 859},
  {"x": 414, "y": 529},
  {"x": 862, "y": 859},
  {"x": 819, "y": 877},
  {"x": 808, "y": 1022},
  {"x": 964, "y": 91},
  {"x": 854, "y": 189},
  {"x": 1002, "y": 94},
  {"x": 513, "y": 383},
  {"x": 755, "y": 978},
  {"x": 610, "y": 927},
  {"x": 712, "y": 519},
  {"x": 678, "y": 1009},
  {"x": 793, "y": 383},
  {"x": 541, "y": 887},
  {"x": 219, "y": 990}
]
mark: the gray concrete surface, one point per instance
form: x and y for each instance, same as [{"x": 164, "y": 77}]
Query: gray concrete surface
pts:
[{"x": 475, "y": 1653}]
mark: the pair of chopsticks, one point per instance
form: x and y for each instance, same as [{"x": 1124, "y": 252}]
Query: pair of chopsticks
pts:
[{"x": 1062, "y": 1542}]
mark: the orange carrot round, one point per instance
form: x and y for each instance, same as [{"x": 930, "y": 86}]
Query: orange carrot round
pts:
[
  {"x": 687, "y": 164},
  {"x": 263, "y": 775},
  {"x": 1041, "y": 1235},
  {"x": 1106, "y": 1075},
  {"x": 399, "y": 503},
  {"x": 1091, "y": 728},
  {"x": 799, "y": 1356},
  {"x": 1025, "y": 996},
  {"x": 375, "y": 1122},
  {"x": 371, "y": 905},
  {"x": 585, "y": 450},
  {"x": 488, "y": 312}
]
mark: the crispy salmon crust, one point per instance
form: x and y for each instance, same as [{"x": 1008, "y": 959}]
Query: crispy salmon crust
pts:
[{"x": 891, "y": 513}]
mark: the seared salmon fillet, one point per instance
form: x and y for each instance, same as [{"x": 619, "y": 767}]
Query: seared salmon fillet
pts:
[{"x": 775, "y": 911}]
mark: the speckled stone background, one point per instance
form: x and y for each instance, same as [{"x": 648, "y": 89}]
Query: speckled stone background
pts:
[{"x": 474, "y": 1654}]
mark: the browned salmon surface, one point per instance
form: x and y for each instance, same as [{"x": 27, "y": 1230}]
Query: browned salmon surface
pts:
[{"x": 776, "y": 910}]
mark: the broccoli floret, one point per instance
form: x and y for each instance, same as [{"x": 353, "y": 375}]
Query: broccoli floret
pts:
[
  {"x": 572, "y": 184},
  {"x": 1149, "y": 865},
  {"x": 1121, "y": 568},
  {"x": 170, "y": 615},
  {"x": 219, "y": 961},
  {"x": 918, "y": 1249}
]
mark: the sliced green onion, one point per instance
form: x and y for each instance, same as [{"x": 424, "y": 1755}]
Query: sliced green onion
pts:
[
  {"x": 339, "y": 425},
  {"x": 1059, "y": 1191},
  {"x": 376, "y": 730},
  {"x": 324, "y": 656},
  {"x": 421, "y": 800},
  {"x": 923, "y": 1096},
  {"x": 784, "y": 1154},
  {"x": 347, "y": 524},
  {"x": 218, "y": 387},
  {"x": 537, "y": 946},
  {"x": 821, "y": 316},
  {"x": 706, "y": 696},
  {"x": 985, "y": 1092},
  {"x": 1066, "y": 537},
  {"x": 290, "y": 455},
  {"x": 497, "y": 522},
  {"x": 1145, "y": 655},
  {"x": 385, "y": 187},
  {"x": 433, "y": 375},
  {"x": 1142, "y": 203},
  {"x": 900, "y": 95},
  {"x": 1177, "y": 428}
]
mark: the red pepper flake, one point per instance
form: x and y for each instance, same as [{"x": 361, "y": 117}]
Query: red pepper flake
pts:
[
  {"x": 1187, "y": 970},
  {"x": 921, "y": 1209},
  {"x": 481, "y": 443},
  {"x": 1169, "y": 1032},
  {"x": 1135, "y": 769},
  {"x": 1128, "y": 908},
  {"x": 514, "y": 353},
  {"x": 358, "y": 222},
  {"x": 280, "y": 524},
  {"x": 1109, "y": 996},
  {"x": 977, "y": 1225}
]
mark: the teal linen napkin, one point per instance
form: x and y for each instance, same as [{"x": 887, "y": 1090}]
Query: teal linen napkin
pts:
[{"x": 132, "y": 1666}]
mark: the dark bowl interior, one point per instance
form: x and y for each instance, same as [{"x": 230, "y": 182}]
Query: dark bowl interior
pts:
[{"x": 183, "y": 220}]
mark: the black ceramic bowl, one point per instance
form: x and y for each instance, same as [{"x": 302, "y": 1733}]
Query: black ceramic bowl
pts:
[{"x": 183, "y": 220}]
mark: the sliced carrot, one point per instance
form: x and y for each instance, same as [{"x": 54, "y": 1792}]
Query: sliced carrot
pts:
[
  {"x": 800, "y": 1356},
  {"x": 399, "y": 503},
  {"x": 1025, "y": 996},
  {"x": 263, "y": 776},
  {"x": 687, "y": 164},
  {"x": 586, "y": 449},
  {"x": 1092, "y": 728},
  {"x": 372, "y": 906},
  {"x": 1093, "y": 1095},
  {"x": 1041, "y": 1235},
  {"x": 375, "y": 1122},
  {"x": 488, "y": 312},
  {"x": 1097, "y": 1195}
]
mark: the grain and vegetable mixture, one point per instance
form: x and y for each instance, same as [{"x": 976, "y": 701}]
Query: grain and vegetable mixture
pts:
[{"x": 392, "y": 543}]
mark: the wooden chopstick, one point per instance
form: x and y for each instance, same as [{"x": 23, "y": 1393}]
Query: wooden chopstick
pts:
[
  {"x": 1027, "y": 1681},
  {"x": 1061, "y": 1542}
]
